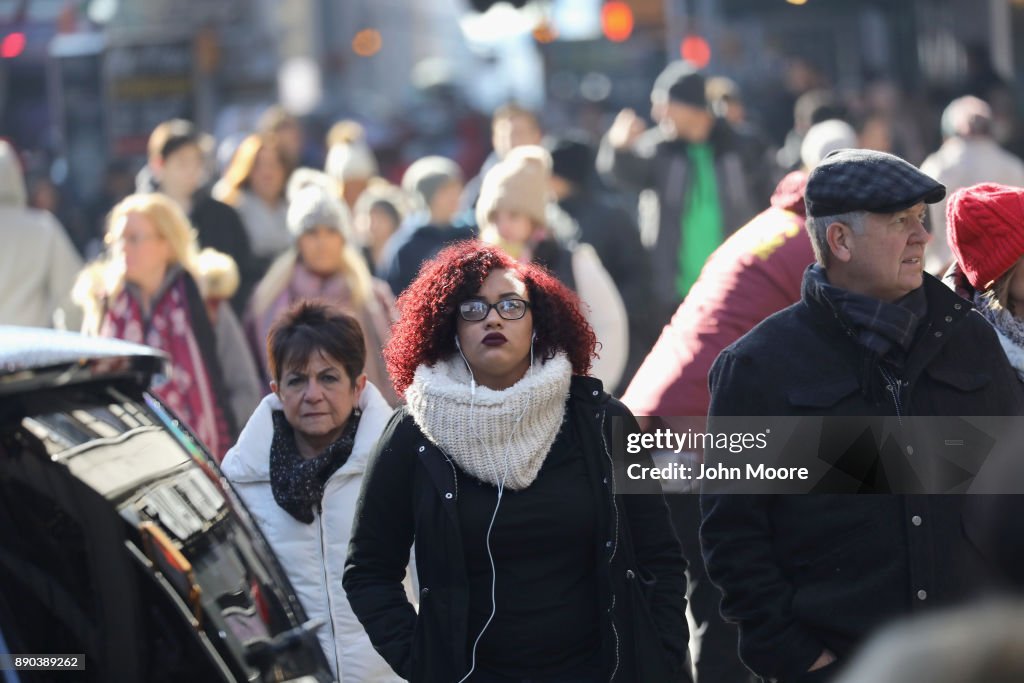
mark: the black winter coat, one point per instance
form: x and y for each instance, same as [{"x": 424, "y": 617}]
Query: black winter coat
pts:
[
  {"x": 409, "y": 494},
  {"x": 804, "y": 573}
]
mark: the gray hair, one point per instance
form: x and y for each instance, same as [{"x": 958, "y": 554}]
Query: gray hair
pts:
[{"x": 817, "y": 229}]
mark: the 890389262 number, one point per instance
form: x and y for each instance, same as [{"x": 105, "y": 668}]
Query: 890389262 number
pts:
[{"x": 44, "y": 662}]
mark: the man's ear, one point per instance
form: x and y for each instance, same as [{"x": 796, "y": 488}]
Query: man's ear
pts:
[{"x": 840, "y": 241}]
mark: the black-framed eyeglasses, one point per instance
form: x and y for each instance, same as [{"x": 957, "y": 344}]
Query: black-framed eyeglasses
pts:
[{"x": 509, "y": 309}]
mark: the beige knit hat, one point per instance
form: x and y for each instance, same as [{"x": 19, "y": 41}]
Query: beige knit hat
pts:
[{"x": 517, "y": 183}]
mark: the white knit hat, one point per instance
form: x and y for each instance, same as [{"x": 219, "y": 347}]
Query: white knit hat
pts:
[
  {"x": 520, "y": 182},
  {"x": 313, "y": 201},
  {"x": 824, "y": 138},
  {"x": 351, "y": 161}
]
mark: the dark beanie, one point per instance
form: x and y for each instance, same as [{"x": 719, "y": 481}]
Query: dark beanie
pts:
[
  {"x": 572, "y": 158},
  {"x": 682, "y": 82}
]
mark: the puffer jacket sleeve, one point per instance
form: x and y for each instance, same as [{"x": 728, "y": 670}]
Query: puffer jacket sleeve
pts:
[{"x": 378, "y": 553}]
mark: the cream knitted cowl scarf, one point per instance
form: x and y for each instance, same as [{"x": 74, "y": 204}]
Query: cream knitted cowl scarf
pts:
[{"x": 481, "y": 432}]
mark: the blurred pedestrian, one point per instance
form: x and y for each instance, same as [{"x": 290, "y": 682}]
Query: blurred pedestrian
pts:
[
  {"x": 986, "y": 237},
  {"x": 514, "y": 214},
  {"x": 695, "y": 166},
  {"x": 323, "y": 263},
  {"x": 808, "y": 577},
  {"x": 299, "y": 463},
  {"x": 177, "y": 167},
  {"x": 286, "y": 129},
  {"x": 969, "y": 155},
  {"x": 978, "y": 644},
  {"x": 755, "y": 273},
  {"x": 377, "y": 216},
  {"x": 497, "y": 472},
  {"x": 511, "y": 126},
  {"x": 726, "y": 101},
  {"x": 38, "y": 263},
  {"x": 217, "y": 277},
  {"x": 435, "y": 184},
  {"x": 146, "y": 292},
  {"x": 254, "y": 184},
  {"x": 613, "y": 232},
  {"x": 350, "y": 161}
]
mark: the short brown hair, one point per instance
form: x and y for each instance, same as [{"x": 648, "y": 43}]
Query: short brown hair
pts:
[{"x": 311, "y": 326}]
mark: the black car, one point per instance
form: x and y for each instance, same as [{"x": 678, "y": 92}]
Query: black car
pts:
[{"x": 119, "y": 539}]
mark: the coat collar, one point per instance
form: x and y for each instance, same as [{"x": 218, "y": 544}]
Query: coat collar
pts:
[{"x": 248, "y": 461}]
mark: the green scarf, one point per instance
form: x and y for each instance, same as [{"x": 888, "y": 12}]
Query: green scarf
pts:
[{"x": 701, "y": 221}]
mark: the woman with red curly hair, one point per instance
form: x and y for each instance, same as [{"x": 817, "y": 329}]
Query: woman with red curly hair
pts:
[{"x": 499, "y": 470}]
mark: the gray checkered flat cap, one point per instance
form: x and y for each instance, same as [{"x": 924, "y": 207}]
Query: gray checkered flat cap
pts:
[{"x": 864, "y": 180}]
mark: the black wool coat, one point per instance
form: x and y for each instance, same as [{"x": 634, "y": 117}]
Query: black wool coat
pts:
[
  {"x": 409, "y": 497},
  {"x": 803, "y": 573}
]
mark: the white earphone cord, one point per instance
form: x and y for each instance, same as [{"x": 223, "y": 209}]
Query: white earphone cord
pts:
[{"x": 497, "y": 503}]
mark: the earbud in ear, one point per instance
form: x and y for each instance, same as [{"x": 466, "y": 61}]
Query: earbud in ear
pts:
[
  {"x": 457, "y": 344},
  {"x": 534, "y": 337}
]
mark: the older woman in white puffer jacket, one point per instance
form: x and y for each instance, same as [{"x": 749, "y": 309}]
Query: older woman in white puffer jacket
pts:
[{"x": 298, "y": 467}]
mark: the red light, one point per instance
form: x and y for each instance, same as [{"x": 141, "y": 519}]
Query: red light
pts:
[
  {"x": 13, "y": 45},
  {"x": 617, "y": 21},
  {"x": 696, "y": 51}
]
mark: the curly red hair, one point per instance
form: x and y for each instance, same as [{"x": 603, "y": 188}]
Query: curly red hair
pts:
[{"x": 425, "y": 331}]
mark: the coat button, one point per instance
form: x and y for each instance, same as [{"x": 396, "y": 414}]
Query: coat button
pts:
[
  {"x": 922, "y": 595},
  {"x": 448, "y": 496},
  {"x": 938, "y": 334},
  {"x": 424, "y": 592},
  {"x": 605, "y": 481},
  {"x": 910, "y": 450},
  {"x": 630, "y": 574},
  {"x": 595, "y": 392},
  {"x": 949, "y": 318},
  {"x": 422, "y": 448},
  {"x": 957, "y": 306},
  {"x": 608, "y": 544},
  {"x": 916, "y": 520}
]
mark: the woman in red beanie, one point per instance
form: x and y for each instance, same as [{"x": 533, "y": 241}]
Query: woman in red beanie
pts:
[{"x": 986, "y": 236}]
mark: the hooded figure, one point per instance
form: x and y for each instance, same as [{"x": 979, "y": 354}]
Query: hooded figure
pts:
[{"x": 39, "y": 264}]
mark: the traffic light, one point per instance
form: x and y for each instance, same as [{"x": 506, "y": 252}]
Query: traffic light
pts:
[
  {"x": 616, "y": 21},
  {"x": 12, "y": 45},
  {"x": 695, "y": 50}
]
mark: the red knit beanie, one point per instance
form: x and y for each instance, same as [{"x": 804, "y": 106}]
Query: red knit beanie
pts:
[{"x": 986, "y": 230}]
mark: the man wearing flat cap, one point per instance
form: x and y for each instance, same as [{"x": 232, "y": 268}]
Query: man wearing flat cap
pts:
[
  {"x": 703, "y": 186},
  {"x": 808, "y": 577}
]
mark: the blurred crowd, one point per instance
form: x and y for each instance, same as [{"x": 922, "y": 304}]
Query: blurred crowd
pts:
[{"x": 674, "y": 227}]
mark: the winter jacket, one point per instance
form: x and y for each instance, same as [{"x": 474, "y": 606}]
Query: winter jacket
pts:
[
  {"x": 755, "y": 273},
  {"x": 313, "y": 555},
  {"x": 962, "y": 162},
  {"x": 410, "y": 496},
  {"x": 803, "y": 573},
  {"x": 38, "y": 262},
  {"x": 662, "y": 165},
  {"x": 408, "y": 248}
]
